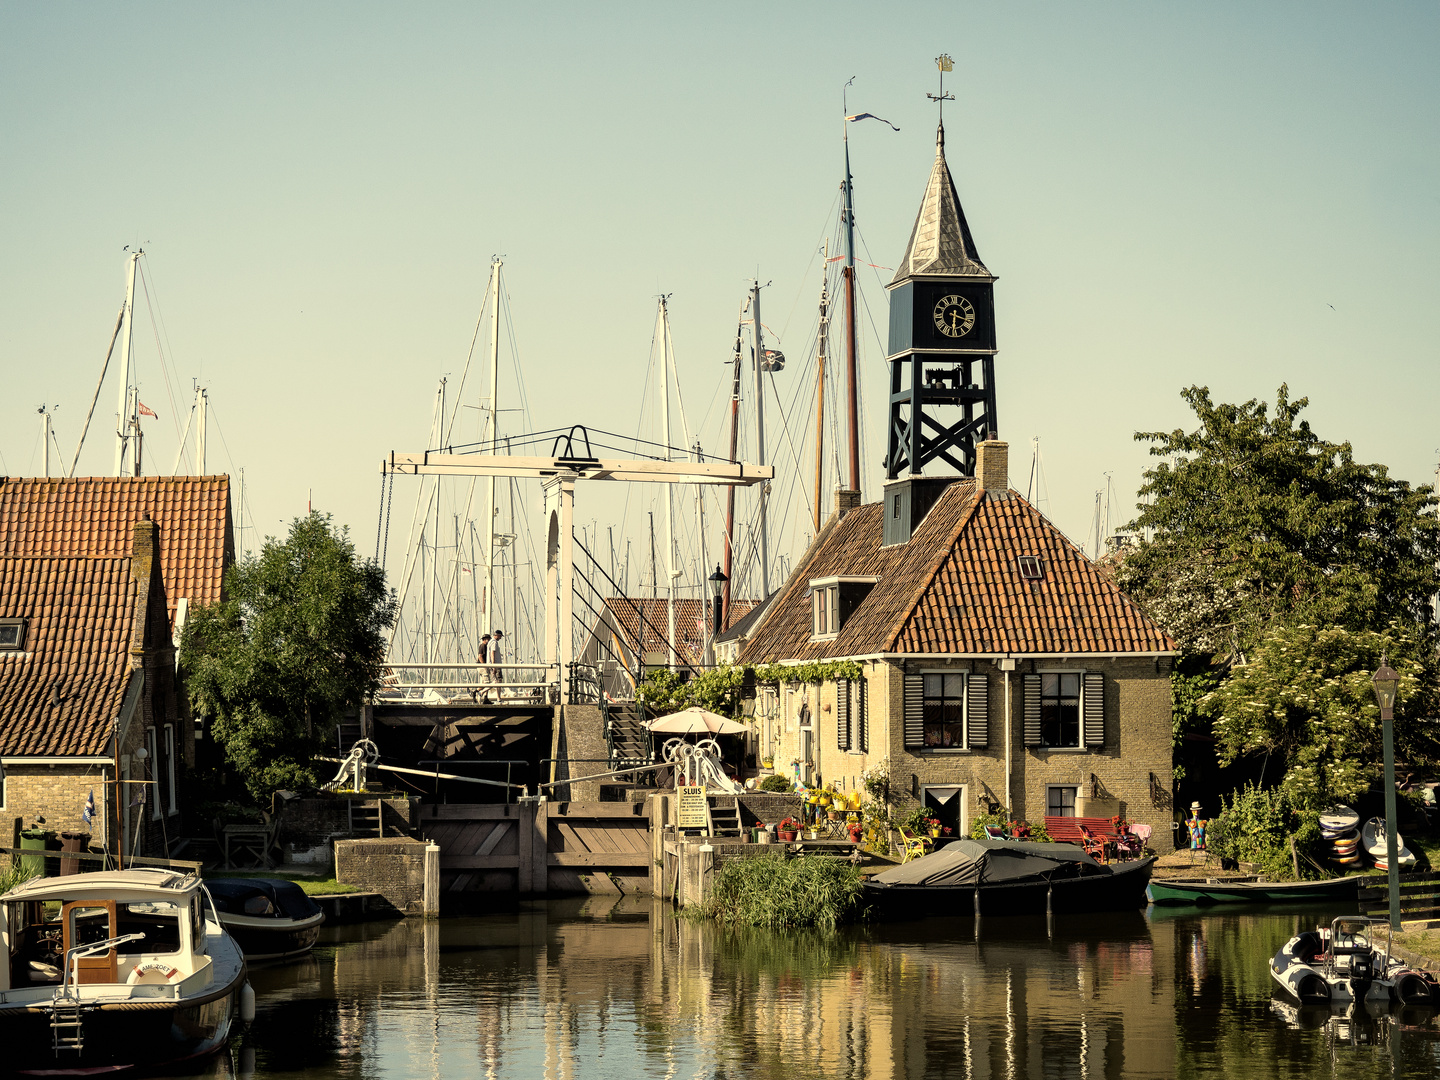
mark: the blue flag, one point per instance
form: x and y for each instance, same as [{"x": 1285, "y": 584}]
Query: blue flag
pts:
[{"x": 89, "y": 813}]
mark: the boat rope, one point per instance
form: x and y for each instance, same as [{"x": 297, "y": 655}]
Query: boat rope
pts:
[{"x": 119, "y": 322}]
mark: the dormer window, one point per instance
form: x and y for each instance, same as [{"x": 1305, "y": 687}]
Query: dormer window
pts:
[
  {"x": 832, "y": 599},
  {"x": 12, "y": 635},
  {"x": 1031, "y": 567}
]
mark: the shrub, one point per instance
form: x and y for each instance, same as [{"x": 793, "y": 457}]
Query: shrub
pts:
[
  {"x": 1256, "y": 825},
  {"x": 775, "y": 782},
  {"x": 778, "y": 893}
]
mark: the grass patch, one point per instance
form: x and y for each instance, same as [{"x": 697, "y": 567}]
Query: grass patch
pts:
[
  {"x": 313, "y": 886},
  {"x": 778, "y": 893}
]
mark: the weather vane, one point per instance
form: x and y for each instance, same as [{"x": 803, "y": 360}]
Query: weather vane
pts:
[{"x": 944, "y": 63}]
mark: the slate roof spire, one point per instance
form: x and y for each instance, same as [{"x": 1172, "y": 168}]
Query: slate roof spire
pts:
[{"x": 941, "y": 244}]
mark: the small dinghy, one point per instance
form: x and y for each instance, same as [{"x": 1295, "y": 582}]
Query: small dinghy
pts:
[
  {"x": 269, "y": 918},
  {"x": 1342, "y": 963},
  {"x": 1338, "y": 821},
  {"x": 1372, "y": 839}
]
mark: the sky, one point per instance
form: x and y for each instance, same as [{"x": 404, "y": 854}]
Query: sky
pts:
[{"x": 1233, "y": 195}]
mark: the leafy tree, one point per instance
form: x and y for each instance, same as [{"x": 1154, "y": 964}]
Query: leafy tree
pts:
[
  {"x": 1305, "y": 695},
  {"x": 297, "y": 641},
  {"x": 1256, "y": 519},
  {"x": 716, "y": 689}
]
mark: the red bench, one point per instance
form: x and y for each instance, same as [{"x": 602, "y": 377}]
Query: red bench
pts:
[{"x": 1068, "y": 830}]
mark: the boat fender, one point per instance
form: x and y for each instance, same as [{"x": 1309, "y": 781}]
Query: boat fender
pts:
[
  {"x": 247, "y": 1004},
  {"x": 151, "y": 973}
]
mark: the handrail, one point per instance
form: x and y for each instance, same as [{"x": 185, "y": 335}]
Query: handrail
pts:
[
  {"x": 507, "y": 762},
  {"x": 72, "y": 957}
]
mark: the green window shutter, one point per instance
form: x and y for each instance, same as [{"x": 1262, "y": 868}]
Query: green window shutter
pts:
[
  {"x": 914, "y": 710},
  {"x": 1093, "y": 706},
  {"x": 842, "y": 713},
  {"x": 977, "y": 711},
  {"x": 1032, "y": 710}
]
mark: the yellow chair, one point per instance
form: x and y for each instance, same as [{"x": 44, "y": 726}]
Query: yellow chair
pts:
[{"x": 914, "y": 845}]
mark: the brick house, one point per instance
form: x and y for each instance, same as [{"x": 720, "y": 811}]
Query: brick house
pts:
[
  {"x": 96, "y": 578},
  {"x": 631, "y": 635},
  {"x": 1001, "y": 667}
]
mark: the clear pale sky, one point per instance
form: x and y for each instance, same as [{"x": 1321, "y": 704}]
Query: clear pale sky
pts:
[{"x": 1237, "y": 195}]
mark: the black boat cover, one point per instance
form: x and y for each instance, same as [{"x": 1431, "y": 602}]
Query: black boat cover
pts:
[
  {"x": 261, "y": 896},
  {"x": 988, "y": 862}
]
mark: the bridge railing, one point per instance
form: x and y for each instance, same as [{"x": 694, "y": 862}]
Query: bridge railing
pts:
[{"x": 447, "y": 683}]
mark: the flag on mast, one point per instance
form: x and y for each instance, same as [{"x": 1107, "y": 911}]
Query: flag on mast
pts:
[
  {"x": 88, "y": 814},
  {"x": 145, "y": 410}
]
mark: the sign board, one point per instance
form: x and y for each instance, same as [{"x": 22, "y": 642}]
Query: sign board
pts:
[{"x": 691, "y": 809}]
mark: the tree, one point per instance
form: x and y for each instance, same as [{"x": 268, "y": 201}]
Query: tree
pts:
[
  {"x": 297, "y": 641},
  {"x": 1255, "y": 520},
  {"x": 1304, "y": 694}
]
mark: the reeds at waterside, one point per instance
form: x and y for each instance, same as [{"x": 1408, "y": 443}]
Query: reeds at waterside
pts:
[{"x": 778, "y": 893}]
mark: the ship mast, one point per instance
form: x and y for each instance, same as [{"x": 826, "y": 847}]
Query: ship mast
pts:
[
  {"x": 759, "y": 339},
  {"x": 127, "y": 424},
  {"x": 821, "y": 346},
  {"x": 730, "y": 491},
  {"x": 488, "y": 596}
]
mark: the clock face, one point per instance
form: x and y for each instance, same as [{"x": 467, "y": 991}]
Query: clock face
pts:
[{"x": 954, "y": 316}]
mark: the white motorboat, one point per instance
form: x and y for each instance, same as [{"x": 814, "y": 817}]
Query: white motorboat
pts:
[
  {"x": 116, "y": 970},
  {"x": 1338, "y": 821},
  {"x": 1372, "y": 839},
  {"x": 1342, "y": 964}
]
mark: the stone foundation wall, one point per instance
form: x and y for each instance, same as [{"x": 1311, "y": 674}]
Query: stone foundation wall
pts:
[{"x": 393, "y": 868}]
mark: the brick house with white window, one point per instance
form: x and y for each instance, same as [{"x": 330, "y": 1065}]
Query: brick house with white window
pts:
[
  {"x": 96, "y": 577},
  {"x": 1002, "y": 668}
]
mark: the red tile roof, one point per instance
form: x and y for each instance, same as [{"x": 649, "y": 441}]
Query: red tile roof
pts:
[
  {"x": 955, "y": 588},
  {"x": 61, "y": 692},
  {"x": 94, "y": 517},
  {"x": 690, "y": 641}
]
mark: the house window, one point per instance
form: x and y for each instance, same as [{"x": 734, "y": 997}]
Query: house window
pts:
[
  {"x": 1060, "y": 709},
  {"x": 151, "y": 792},
  {"x": 1060, "y": 802},
  {"x": 945, "y": 710},
  {"x": 173, "y": 803},
  {"x": 12, "y": 634},
  {"x": 825, "y": 605},
  {"x": 1031, "y": 567},
  {"x": 852, "y": 725}
]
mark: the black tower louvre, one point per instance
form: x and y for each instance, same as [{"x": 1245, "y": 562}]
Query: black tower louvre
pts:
[{"x": 942, "y": 339}]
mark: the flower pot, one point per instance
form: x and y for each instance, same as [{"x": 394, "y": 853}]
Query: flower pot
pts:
[
  {"x": 833, "y": 815},
  {"x": 787, "y": 836},
  {"x": 762, "y": 836}
]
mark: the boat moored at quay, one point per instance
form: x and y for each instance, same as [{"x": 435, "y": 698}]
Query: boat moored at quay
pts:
[{"x": 114, "y": 971}]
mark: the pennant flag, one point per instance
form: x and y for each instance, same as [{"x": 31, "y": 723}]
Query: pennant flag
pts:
[
  {"x": 145, "y": 410},
  {"x": 89, "y": 813},
  {"x": 870, "y": 116}
]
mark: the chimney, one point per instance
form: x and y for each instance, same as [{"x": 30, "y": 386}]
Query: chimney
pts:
[
  {"x": 992, "y": 467},
  {"x": 845, "y": 501},
  {"x": 143, "y": 552}
]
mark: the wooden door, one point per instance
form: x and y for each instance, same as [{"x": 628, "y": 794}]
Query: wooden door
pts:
[{"x": 86, "y": 922}]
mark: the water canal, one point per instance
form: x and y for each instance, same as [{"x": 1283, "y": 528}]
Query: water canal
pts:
[{"x": 604, "y": 989}]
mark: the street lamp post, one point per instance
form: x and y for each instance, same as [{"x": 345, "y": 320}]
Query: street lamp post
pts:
[
  {"x": 717, "y": 589},
  {"x": 1386, "y": 682}
]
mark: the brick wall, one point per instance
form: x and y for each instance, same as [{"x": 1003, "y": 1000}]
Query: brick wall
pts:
[
  {"x": 393, "y": 868},
  {"x": 58, "y": 794}
]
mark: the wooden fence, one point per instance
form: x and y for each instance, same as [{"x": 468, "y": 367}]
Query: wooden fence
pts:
[
  {"x": 1419, "y": 896},
  {"x": 538, "y": 848}
]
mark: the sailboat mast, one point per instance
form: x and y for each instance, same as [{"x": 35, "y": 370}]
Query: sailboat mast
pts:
[
  {"x": 45, "y": 441},
  {"x": 488, "y": 596},
  {"x": 123, "y": 412},
  {"x": 821, "y": 346},
  {"x": 202, "y": 405},
  {"x": 759, "y": 337},
  {"x": 851, "y": 388},
  {"x": 663, "y": 316},
  {"x": 730, "y": 489}
]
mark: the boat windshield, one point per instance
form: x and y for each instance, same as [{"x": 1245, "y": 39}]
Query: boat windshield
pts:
[{"x": 1352, "y": 936}]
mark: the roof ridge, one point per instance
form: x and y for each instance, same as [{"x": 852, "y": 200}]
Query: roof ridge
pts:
[{"x": 928, "y": 579}]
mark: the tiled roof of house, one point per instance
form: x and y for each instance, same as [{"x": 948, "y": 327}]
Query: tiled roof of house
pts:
[
  {"x": 94, "y": 517},
  {"x": 627, "y": 613},
  {"x": 60, "y": 693},
  {"x": 956, "y": 587}
]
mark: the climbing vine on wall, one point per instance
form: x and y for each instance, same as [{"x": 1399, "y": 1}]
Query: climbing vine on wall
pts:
[{"x": 718, "y": 689}]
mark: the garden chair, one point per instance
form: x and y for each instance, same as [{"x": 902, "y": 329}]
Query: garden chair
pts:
[
  {"x": 913, "y": 845},
  {"x": 1131, "y": 843},
  {"x": 251, "y": 842},
  {"x": 1092, "y": 844},
  {"x": 996, "y": 832}
]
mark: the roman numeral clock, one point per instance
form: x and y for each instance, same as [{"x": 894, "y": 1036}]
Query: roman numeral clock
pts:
[{"x": 942, "y": 339}]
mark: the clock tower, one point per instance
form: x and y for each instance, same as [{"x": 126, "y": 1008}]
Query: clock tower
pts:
[{"x": 942, "y": 339}]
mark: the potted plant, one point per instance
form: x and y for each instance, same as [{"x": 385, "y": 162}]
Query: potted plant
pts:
[{"x": 787, "y": 830}]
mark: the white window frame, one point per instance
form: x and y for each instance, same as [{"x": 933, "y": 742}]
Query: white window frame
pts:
[
  {"x": 152, "y": 746},
  {"x": 964, "y": 747},
  {"x": 1063, "y": 787},
  {"x": 1079, "y": 746},
  {"x": 174, "y": 793},
  {"x": 963, "y": 795}
]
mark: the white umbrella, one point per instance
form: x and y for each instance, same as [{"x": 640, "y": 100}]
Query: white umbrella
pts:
[{"x": 694, "y": 720}]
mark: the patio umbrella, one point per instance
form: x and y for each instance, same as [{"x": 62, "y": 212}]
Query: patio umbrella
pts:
[{"x": 695, "y": 720}]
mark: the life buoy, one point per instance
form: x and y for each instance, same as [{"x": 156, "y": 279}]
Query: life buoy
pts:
[{"x": 152, "y": 973}]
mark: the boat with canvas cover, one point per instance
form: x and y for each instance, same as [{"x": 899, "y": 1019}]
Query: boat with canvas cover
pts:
[
  {"x": 269, "y": 918},
  {"x": 1008, "y": 877},
  {"x": 113, "y": 971},
  {"x": 1216, "y": 891}
]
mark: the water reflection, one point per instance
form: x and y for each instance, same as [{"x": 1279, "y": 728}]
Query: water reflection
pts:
[{"x": 598, "y": 989}]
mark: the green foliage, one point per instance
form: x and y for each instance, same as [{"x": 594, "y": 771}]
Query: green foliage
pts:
[
  {"x": 779, "y": 893},
  {"x": 1038, "y": 833},
  {"x": 876, "y": 780},
  {"x": 818, "y": 671},
  {"x": 775, "y": 782},
  {"x": 1256, "y": 825},
  {"x": 717, "y": 689},
  {"x": 1186, "y": 692},
  {"x": 1305, "y": 694},
  {"x": 297, "y": 642},
  {"x": 11, "y": 876},
  {"x": 1255, "y": 519}
]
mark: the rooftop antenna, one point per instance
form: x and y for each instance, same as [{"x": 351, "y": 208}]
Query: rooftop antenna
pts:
[{"x": 944, "y": 63}]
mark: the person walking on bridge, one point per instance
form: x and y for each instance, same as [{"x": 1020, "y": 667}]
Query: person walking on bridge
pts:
[{"x": 493, "y": 656}]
